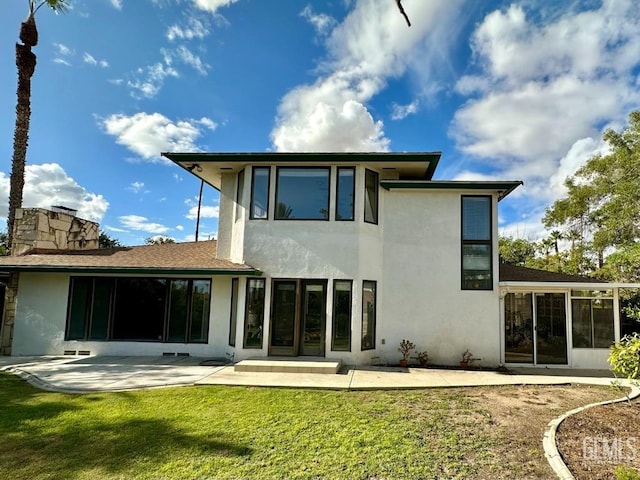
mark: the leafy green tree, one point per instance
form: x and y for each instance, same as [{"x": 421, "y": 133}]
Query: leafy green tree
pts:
[
  {"x": 601, "y": 213},
  {"x": 26, "y": 63},
  {"x": 517, "y": 251},
  {"x": 105, "y": 241},
  {"x": 158, "y": 240}
]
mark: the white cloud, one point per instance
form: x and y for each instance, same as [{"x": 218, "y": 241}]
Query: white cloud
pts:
[
  {"x": 403, "y": 111},
  {"x": 117, "y": 4},
  {"x": 195, "y": 28},
  {"x": 371, "y": 45},
  {"x": 149, "y": 134},
  {"x": 321, "y": 22},
  {"x": 142, "y": 224},
  {"x": 136, "y": 186},
  {"x": 61, "y": 61},
  {"x": 212, "y": 5},
  {"x": 90, "y": 59},
  {"x": 180, "y": 228},
  {"x": 187, "y": 57},
  {"x": 206, "y": 211},
  {"x": 151, "y": 79},
  {"x": 543, "y": 91},
  {"x": 63, "y": 50},
  {"x": 48, "y": 184}
]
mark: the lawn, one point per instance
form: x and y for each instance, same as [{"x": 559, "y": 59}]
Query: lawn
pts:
[{"x": 237, "y": 432}]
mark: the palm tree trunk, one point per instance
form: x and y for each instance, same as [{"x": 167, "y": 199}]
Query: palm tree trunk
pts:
[{"x": 26, "y": 63}]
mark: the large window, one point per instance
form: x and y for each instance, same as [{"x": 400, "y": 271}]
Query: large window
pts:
[
  {"x": 368, "y": 340},
  {"x": 138, "y": 309},
  {"x": 592, "y": 318},
  {"x": 302, "y": 193},
  {"x": 239, "y": 195},
  {"x": 477, "y": 263},
  {"x": 370, "y": 197},
  {"x": 341, "y": 339},
  {"x": 233, "y": 316},
  {"x": 260, "y": 193},
  {"x": 254, "y": 313},
  {"x": 345, "y": 188}
]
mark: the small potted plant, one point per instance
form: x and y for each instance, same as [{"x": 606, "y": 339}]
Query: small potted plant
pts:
[
  {"x": 467, "y": 359},
  {"x": 423, "y": 357},
  {"x": 405, "y": 348}
]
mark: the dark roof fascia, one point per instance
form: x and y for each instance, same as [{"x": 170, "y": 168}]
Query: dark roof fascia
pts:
[
  {"x": 504, "y": 188},
  {"x": 313, "y": 157},
  {"x": 130, "y": 270}
]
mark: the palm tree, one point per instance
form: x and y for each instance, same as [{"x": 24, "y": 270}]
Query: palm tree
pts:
[{"x": 26, "y": 63}]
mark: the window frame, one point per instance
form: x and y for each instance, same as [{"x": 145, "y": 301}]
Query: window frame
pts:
[
  {"x": 464, "y": 242},
  {"x": 375, "y": 212},
  {"x": 246, "y": 313},
  {"x": 233, "y": 311},
  {"x": 353, "y": 194},
  {"x": 239, "y": 194},
  {"x": 334, "y": 316},
  {"x": 252, "y": 216},
  {"x": 375, "y": 315},
  {"x": 604, "y": 295},
  {"x": 304, "y": 167},
  {"x": 112, "y": 310}
]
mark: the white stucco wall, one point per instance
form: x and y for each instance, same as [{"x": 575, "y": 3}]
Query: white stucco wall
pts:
[
  {"x": 41, "y": 319},
  {"x": 421, "y": 287}
]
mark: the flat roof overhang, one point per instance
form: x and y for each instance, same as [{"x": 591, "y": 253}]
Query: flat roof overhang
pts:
[
  {"x": 540, "y": 286},
  {"x": 503, "y": 188},
  {"x": 210, "y": 167}
]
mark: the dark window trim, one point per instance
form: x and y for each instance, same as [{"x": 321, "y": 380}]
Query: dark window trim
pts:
[
  {"x": 233, "y": 312},
  {"x": 239, "y": 190},
  {"x": 253, "y": 183},
  {"x": 464, "y": 242},
  {"x": 333, "y": 314},
  {"x": 113, "y": 299},
  {"x": 246, "y": 313},
  {"x": 375, "y": 315},
  {"x": 377, "y": 197},
  {"x": 353, "y": 189},
  {"x": 304, "y": 167}
]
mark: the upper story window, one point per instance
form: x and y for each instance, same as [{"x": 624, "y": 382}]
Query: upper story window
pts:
[
  {"x": 239, "y": 194},
  {"x": 345, "y": 189},
  {"x": 477, "y": 259},
  {"x": 260, "y": 193},
  {"x": 371, "y": 197},
  {"x": 302, "y": 193}
]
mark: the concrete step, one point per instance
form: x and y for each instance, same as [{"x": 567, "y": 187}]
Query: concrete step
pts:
[{"x": 289, "y": 365}]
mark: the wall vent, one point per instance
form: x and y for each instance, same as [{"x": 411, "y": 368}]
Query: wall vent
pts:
[{"x": 69, "y": 352}]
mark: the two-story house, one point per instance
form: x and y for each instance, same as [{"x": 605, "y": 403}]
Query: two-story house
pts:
[{"x": 336, "y": 255}]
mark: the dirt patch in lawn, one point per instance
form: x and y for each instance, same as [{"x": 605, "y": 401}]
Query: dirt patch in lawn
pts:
[{"x": 596, "y": 442}]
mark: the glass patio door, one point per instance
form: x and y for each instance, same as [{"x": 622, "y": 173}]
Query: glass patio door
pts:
[
  {"x": 298, "y": 311},
  {"x": 535, "y": 328},
  {"x": 551, "y": 329}
]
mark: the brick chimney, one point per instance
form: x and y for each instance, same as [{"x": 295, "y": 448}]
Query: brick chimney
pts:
[{"x": 39, "y": 228}]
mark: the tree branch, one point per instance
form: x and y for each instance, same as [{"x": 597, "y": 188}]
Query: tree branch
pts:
[{"x": 404, "y": 14}]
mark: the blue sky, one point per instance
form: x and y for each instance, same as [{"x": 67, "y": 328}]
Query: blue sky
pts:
[{"x": 515, "y": 90}]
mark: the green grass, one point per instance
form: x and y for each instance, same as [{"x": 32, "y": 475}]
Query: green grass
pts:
[{"x": 236, "y": 432}]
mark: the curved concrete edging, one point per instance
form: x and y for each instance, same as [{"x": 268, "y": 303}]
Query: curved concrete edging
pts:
[{"x": 549, "y": 440}]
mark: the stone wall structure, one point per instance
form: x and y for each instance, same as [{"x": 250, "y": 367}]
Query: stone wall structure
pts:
[{"x": 38, "y": 228}]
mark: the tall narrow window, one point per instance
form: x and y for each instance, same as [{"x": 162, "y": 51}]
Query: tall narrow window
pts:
[
  {"x": 477, "y": 259},
  {"x": 260, "y": 193},
  {"x": 254, "y": 313},
  {"x": 79, "y": 307},
  {"x": 239, "y": 195},
  {"x": 368, "y": 315},
  {"x": 200, "y": 299},
  {"x": 370, "y": 197},
  {"x": 345, "y": 189},
  {"x": 341, "y": 339},
  {"x": 592, "y": 319},
  {"x": 302, "y": 193},
  {"x": 233, "y": 318}
]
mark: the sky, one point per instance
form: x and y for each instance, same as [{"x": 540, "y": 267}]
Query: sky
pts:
[{"x": 506, "y": 90}]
